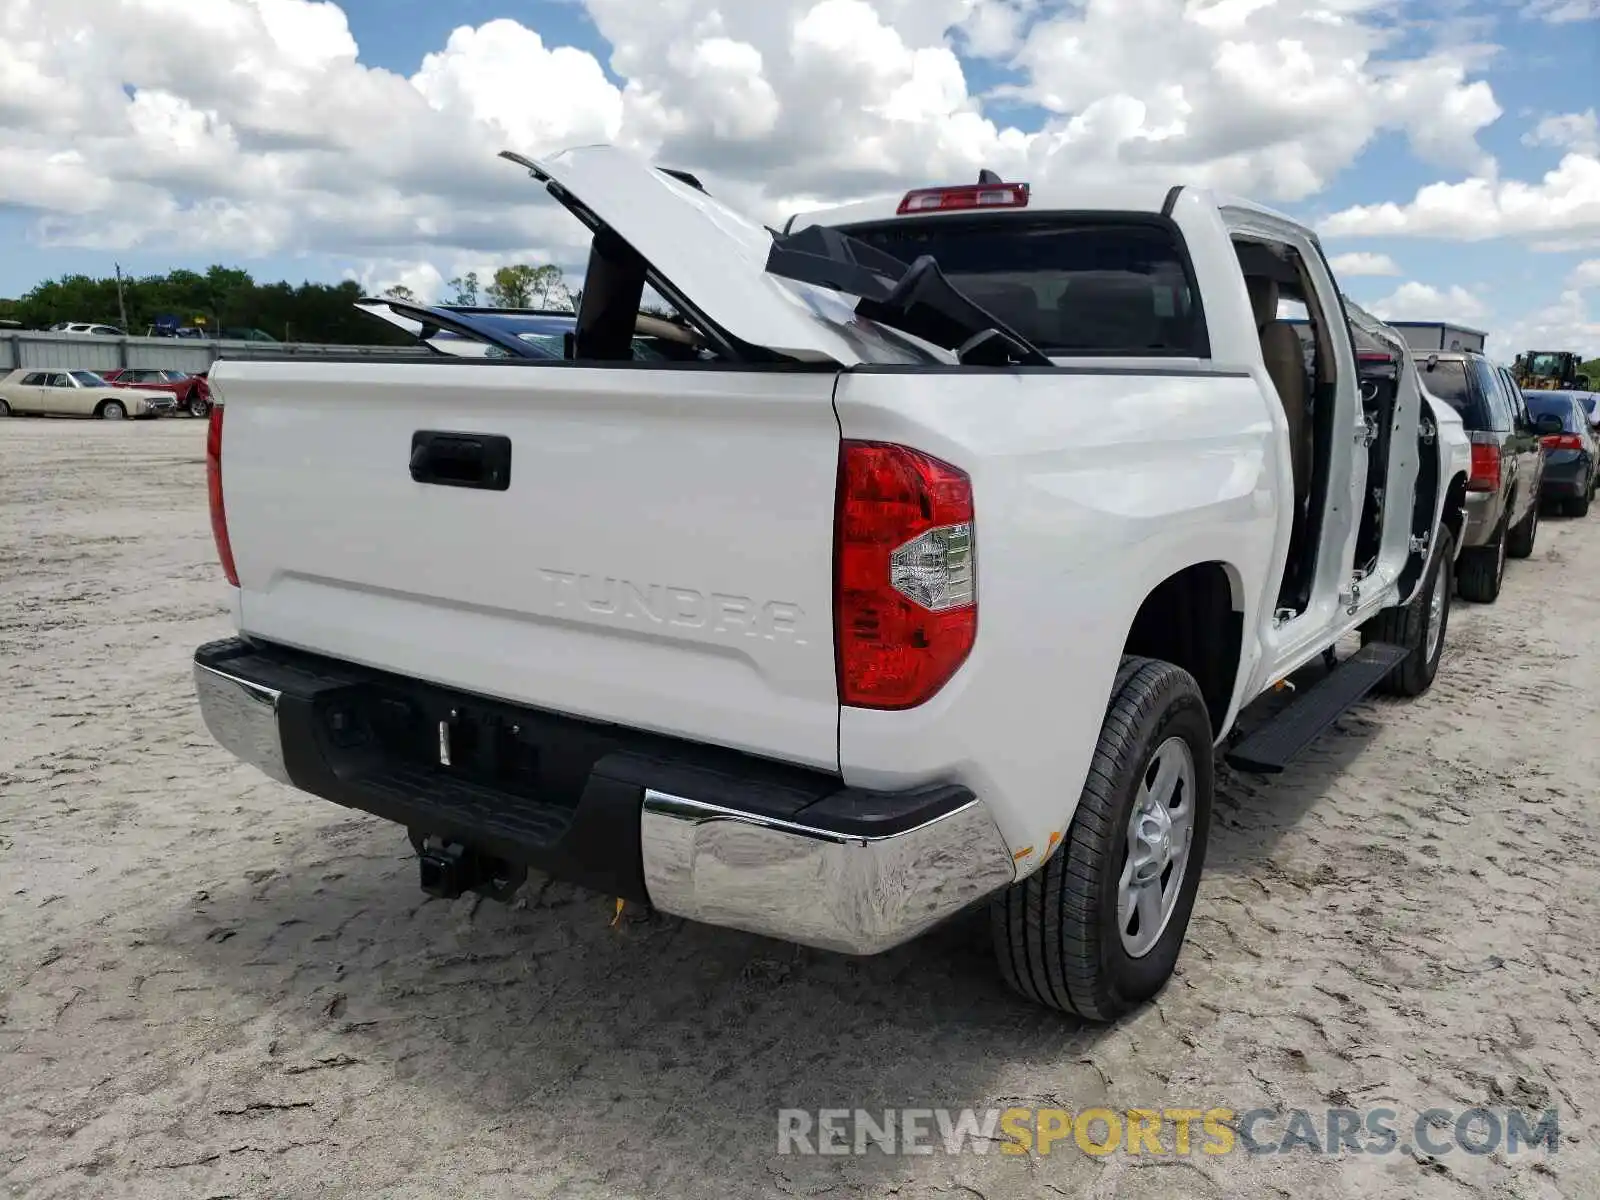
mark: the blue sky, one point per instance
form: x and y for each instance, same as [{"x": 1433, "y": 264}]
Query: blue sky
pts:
[{"x": 1536, "y": 69}]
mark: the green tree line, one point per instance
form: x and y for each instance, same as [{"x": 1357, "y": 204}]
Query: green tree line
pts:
[{"x": 227, "y": 299}]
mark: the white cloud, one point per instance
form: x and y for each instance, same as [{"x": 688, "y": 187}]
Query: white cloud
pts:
[
  {"x": 422, "y": 279},
  {"x": 1559, "y": 12},
  {"x": 253, "y": 126},
  {"x": 1361, "y": 262},
  {"x": 250, "y": 127},
  {"x": 1579, "y": 132},
  {"x": 1567, "y": 324},
  {"x": 1585, "y": 275},
  {"x": 502, "y": 76},
  {"x": 1423, "y": 302},
  {"x": 1566, "y": 202}
]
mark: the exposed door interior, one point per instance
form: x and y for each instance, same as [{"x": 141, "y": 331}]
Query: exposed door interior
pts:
[{"x": 1297, "y": 345}]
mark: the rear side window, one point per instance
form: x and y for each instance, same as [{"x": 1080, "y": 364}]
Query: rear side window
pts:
[
  {"x": 1500, "y": 408},
  {"x": 1447, "y": 379},
  {"x": 1555, "y": 406},
  {"x": 1072, "y": 286}
]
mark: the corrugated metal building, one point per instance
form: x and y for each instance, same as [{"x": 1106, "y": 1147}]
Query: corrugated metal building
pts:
[{"x": 85, "y": 352}]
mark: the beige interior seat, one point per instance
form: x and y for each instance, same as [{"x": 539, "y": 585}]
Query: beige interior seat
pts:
[{"x": 1286, "y": 366}]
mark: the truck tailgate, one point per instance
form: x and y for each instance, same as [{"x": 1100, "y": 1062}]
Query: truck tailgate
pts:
[{"x": 661, "y": 555}]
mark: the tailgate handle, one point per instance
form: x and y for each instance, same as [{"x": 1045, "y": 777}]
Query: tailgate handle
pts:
[{"x": 469, "y": 460}]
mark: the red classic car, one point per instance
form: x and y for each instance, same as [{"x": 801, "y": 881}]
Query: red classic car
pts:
[{"x": 192, "y": 391}]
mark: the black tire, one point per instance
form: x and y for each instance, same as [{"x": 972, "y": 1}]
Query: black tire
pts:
[
  {"x": 1410, "y": 626},
  {"x": 198, "y": 407},
  {"x": 1580, "y": 506},
  {"x": 1483, "y": 570},
  {"x": 1519, "y": 542},
  {"x": 1056, "y": 934},
  {"x": 5, "y": 410},
  {"x": 112, "y": 410}
]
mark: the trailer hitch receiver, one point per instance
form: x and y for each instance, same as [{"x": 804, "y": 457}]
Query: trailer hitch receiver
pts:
[{"x": 449, "y": 870}]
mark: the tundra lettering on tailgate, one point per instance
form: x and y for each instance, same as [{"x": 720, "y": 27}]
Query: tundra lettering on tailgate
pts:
[{"x": 655, "y": 604}]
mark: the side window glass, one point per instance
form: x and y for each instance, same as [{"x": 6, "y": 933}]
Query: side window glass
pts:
[
  {"x": 1523, "y": 415},
  {"x": 1494, "y": 395},
  {"x": 34, "y": 380}
]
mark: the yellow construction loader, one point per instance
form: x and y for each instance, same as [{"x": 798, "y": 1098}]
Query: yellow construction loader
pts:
[{"x": 1550, "y": 370}]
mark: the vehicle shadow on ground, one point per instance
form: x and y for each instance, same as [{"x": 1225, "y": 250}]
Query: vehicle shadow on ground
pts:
[
  {"x": 651, "y": 1040},
  {"x": 1252, "y": 813},
  {"x": 646, "y": 1039}
]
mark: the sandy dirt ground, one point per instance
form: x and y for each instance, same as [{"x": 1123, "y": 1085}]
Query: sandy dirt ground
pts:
[{"x": 212, "y": 986}]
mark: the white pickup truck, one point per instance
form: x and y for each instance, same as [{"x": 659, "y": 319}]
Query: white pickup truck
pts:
[{"x": 932, "y": 571}]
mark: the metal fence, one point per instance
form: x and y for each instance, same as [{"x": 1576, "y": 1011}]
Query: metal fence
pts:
[{"x": 84, "y": 352}]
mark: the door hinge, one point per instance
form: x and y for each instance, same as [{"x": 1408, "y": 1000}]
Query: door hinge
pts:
[
  {"x": 1369, "y": 432},
  {"x": 1421, "y": 543},
  {"x": 1427, "y": 432},
  {"x": 1350, "y": 598},
  {"x": 1283, "y": 616}
]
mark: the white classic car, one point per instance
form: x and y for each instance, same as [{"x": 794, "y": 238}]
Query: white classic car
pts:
[{"x": 77, "y": 394}]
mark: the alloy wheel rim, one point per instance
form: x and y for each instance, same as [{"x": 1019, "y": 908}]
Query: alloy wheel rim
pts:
[
  {"x": 1436, "y": 610},
  {"x": 1160, "y": 838}
]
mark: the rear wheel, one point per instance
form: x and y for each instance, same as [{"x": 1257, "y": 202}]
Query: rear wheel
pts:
[
  {"x": 5, "y": 410},
  {"x": 111, "y": 410},
  {"x": 1483, "y": 570},
  {"x": 1580, "y": 506},
  {"x": 1097, "y": 930},
  {"x": 198, "y": 407},
  {"x": 1419, "y": 626},
  {"x": 1520, "y": 542}
]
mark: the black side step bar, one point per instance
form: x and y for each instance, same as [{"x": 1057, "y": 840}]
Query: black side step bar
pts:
[{"x": 1272, "y": 747}]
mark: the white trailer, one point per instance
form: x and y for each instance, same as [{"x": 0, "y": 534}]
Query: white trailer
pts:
[{"x": 1439, "y": 335}]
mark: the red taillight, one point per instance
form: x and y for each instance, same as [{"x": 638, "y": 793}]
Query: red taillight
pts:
[
  {"x": 1563, "y": 441},
  {"x": 906, "y": 599},
  {"x": 977, "y": 195},
  {"x": 1485, "y": 469},
  {"x": 219, "y": 513}
]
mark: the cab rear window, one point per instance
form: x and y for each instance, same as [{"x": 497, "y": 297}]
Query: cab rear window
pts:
[{"x": 1073, "y": 287}]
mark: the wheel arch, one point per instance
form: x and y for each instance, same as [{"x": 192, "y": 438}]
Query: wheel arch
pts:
[{"x": 1179, "y": 622}]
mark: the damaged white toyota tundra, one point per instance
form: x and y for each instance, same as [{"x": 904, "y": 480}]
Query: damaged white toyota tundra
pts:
[{"x": 929, "y": 562}]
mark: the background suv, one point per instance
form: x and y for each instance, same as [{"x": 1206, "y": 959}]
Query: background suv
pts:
[{"x": 1507, "y": 466}]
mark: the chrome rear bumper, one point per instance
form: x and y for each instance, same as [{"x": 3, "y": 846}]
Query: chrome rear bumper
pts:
[
  {"x": 849, "y": 892},
  {"x": 243, "y": 716}
]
